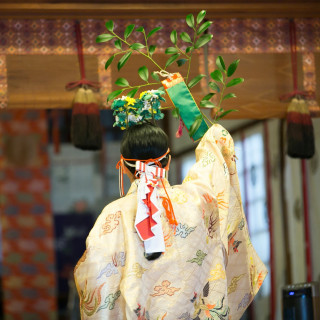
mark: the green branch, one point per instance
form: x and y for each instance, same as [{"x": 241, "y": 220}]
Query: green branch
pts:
[
  {"x": 142, "y": 85},
  {"x": 128, "y": 44},
  {"x": 145, "y": 39}
]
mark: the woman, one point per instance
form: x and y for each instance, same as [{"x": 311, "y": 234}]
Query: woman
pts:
[{"x": 199, "y": 264}]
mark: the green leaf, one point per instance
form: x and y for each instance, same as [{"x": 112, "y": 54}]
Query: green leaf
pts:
[
  {"x": 109, "y": 61},
  {"x": 153, "y": 31},
  {"x": 171, "y": 50},
  {"x": 217, "y": 75},
  {"x": 201, "y": 16},
  {"x": 128, "y": 30},
  {"x": 143, "y": 73},
  {"x": 122, "y": 82},
  {"x": 114, "y": 94},
  {"x": 155, "y": 76},
  {"x": 220, "y": 64},
  {"x": 137, "y": 46},
  {"x": 132, "y": 93},
  {"x": 195, "y": 80},
  {"x": 204, "y": 39},
  {"x": 207, "y": 104},
  {"x": 185, "y": 37},
  {"x": 233, "y": 67},
  {"x": 140, "y": 29},
  {"x": 118, "y": 44},
  {"x": 190, "y": 20},
  {"x": 181, "y": 62},
  {"x": 124, "y": 59},
  {"x": 173, "y": 36},
  {"x": 175, "y": 113},
  {"x": 152, "y": 48},
  {"x": 195, "y": 126},
  {"x": 172, "y": 59},
  {"x": 188, "y": 49},
  {"x": 208, "y": 96},
  {"x": 223, "y": 114},
  {"x": 214, "y": 86},
  {"x": 104, "y": 37},
  {"x": 228, "y": 96},
  {"x": 204, "y": 27},
  {"x": 234, "y": 82},
  {"x": 109, "y": 25}
]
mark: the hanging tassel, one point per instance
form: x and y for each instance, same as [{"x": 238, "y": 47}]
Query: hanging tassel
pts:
[
  {"x": 300, "y": 135},
  {"x": 86, "y": 131},
  {"x": 79, "y": 120},
  {"x": 94, "y": 133}
]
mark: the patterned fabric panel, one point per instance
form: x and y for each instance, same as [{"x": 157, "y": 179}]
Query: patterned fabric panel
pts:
[
  {"x": 230, "y": 35},
  {"x": 29, "y": 283}
]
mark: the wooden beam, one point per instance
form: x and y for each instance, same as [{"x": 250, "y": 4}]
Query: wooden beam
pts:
[{"x": 159, "y": 10}]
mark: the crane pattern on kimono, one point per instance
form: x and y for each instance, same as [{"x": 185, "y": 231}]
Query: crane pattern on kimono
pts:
[
  {"x": 90, "y": 301},
  {"x": 211, "y": 223},
  {"x": 144, "y": 315},
  {"x": 215, "y": 311},
  {"x": 232, "y": 242}
]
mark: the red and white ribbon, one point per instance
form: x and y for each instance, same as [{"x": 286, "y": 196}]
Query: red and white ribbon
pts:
[{"x": 148, "y": 217}]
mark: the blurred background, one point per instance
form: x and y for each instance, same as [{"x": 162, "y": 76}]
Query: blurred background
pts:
[{"x": 51, "y": 192}]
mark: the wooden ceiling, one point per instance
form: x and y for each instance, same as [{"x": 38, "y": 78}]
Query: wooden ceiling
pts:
[
  {"x": 267, "y": 78},
  {"x": 157, "y": 9}
]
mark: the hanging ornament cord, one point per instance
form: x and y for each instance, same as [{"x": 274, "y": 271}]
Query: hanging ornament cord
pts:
[
  {"x": 293, "y": 42},
  {"x": 83, "y": 82},
  {"x": 300, "y": 94},
  {"x": 294, "y": 67},
  {"x": 86, "y": 131}
]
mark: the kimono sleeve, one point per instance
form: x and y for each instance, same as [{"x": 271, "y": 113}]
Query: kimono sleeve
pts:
[
  {"x": 212, "y": 170},
  {"x": 215, "y": 169},
  {"x": 98, "y": 273}
]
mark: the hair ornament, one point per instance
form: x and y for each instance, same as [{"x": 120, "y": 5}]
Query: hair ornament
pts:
[{"x": 130, "y": 111}]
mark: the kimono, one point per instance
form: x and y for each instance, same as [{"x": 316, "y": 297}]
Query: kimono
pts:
[{"x": 209, "y": 269}]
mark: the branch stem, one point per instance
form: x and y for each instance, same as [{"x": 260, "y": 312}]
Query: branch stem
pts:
[
  {"x": 142, "y": 85},
  {"x": 206, "y": 117},
  {"x": 146, "y": 55}
]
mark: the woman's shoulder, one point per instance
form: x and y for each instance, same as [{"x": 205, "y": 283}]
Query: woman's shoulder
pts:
[
  {"x": 115, "y": 209},
  {"x": 121, "y": 204}
]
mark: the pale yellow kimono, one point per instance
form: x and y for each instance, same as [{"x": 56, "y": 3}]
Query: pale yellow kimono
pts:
[{"x": 209, "y": 270}]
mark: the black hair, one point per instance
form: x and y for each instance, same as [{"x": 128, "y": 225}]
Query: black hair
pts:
[{"x": 144, "y": 141}]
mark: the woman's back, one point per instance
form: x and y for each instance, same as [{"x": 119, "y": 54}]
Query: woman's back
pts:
[{"x": 209, "y": 268}]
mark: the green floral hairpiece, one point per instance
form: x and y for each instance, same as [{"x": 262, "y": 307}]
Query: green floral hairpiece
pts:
[{"x": 129, "y": 111}]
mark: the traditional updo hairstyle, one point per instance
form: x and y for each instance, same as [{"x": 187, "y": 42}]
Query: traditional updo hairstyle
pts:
[{"x": 144, "y": 141}]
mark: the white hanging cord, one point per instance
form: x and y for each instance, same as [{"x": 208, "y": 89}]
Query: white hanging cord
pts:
[{"x": 164, "y": 74}]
